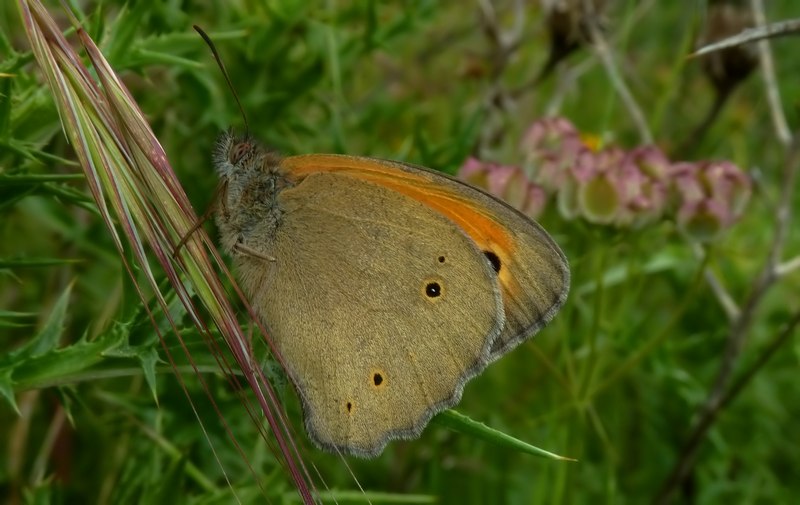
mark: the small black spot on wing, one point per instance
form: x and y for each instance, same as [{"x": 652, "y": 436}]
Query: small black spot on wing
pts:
[
  {"x": 433, "y": 289},
  {"x": 378, "y": 378},
  {"x": 494, "y": 260}
]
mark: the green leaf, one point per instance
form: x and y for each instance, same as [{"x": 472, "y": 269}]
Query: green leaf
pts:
[
  {"x": 7, "y": 389},
  {"x": 17, "y": 263},
  {"x": 48, "y": 338},
  {"x": 13, "y": 319},
  {"x": 5, "y": 106},
  {"x": 149, "y": 358},
  {"x": 59, "y": 366},
  {"x": 463, "y": 424}
]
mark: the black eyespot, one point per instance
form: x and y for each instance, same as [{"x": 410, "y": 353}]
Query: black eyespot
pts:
[
  {"x": 441, "y": 259},
  {"x": 349, "y": 407},
  {"x": 494, "y": 260},
  {"x": 433, "y": 290},
  {"x": 377, "y": 379}
]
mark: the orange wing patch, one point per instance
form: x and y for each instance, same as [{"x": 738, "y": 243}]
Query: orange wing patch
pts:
[{"x": 475, "y": 220}]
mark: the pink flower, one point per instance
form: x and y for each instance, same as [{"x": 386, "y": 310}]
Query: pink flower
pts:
[
  {"x": 535, "y": 202},
  {"x": 687, "y": 184},
  {"x": 506, "y": 182},
  {"x": 603, "y": 195},
  {"x": 550, "y": 147},
  {"x": 647, "y": 175},
  {"x": 548, "y": 134},
  {"x": 703, "y": 220},
  {"x": 710, "y": 196},
  {"x": 613, "y": 186},
  {"x": 579, "y": 173},
  {"x": 651, "y": 161},
  {"x": 726, "y": 182}
]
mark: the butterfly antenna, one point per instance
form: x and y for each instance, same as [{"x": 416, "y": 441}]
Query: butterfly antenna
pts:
[{"x": 213, "y": 48}]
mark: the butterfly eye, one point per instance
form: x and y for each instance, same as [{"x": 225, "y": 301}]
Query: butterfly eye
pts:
[{"x": 238, "y": 152}]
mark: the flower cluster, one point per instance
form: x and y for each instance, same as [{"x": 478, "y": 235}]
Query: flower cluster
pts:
[{"x": 612, "y": 186}]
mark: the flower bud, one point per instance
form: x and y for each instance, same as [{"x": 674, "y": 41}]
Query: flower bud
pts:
[
  {"x": 649, "y": 199},
  {"x": 730, "y": 66},
  {"x": 603, "y": 190},
  {"x": 704, "y": 219},
  {"x": 550, "y": 147},
  {"x": 727, "y": 183}
]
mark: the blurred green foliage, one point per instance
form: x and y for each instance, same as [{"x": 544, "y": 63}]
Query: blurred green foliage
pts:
[{"x": 615, "y": 381}]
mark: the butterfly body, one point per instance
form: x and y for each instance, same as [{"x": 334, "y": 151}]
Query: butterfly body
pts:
[{"x": 384, "y": 286}]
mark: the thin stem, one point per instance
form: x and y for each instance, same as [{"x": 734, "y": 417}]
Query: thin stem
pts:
[
  {"x": 746, "y": 376},
  {"x": 723, "y": 296},
  {"x": 770, "y": 82},
  {"x": 597, "y": 313},
  {"x": 720, "y": 392},
  {"x": 788, "y": 267},
  {"x": 604, "y": 53}
]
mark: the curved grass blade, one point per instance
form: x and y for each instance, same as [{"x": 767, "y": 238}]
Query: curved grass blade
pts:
[{"x": 147, "y": 213}]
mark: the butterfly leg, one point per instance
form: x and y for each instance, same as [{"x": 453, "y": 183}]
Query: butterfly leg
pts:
[{"x": 249, "y": 251}]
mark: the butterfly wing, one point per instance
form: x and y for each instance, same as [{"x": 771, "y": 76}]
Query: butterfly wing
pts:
[
  {"x": 381, "y": 307},
  {"x": 532, "y": 270}
]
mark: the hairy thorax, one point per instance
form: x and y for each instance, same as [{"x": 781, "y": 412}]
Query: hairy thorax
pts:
[{"x": 249, "y": 210}]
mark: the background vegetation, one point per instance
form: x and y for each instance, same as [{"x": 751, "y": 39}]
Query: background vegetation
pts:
[{"x": 623, "y": 379}]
